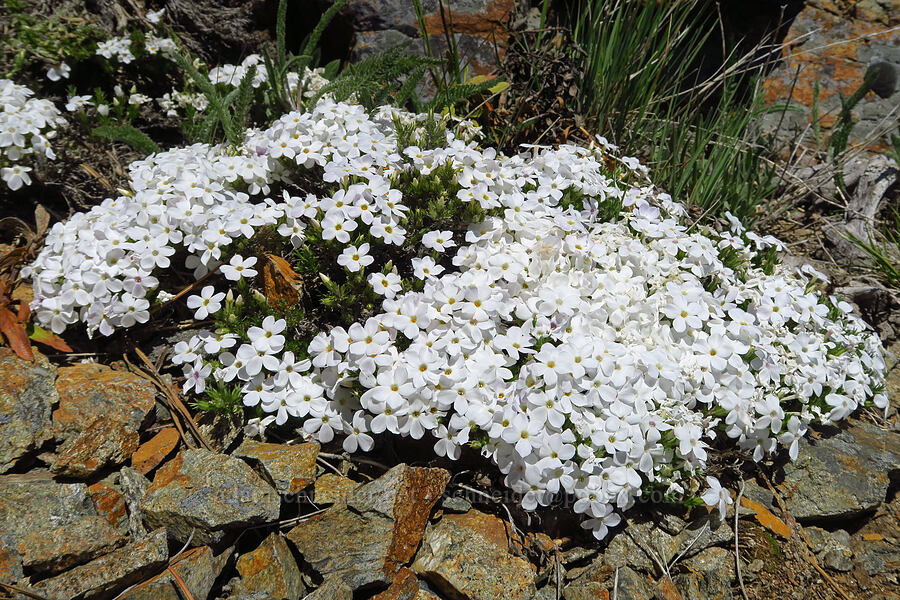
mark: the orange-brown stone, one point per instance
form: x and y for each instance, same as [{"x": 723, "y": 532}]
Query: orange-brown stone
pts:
[
  {"x": 197, "y": 568},
  {"x": 666, "y": 590},
  {"x": 490, "y": 22},
  {"x": 370, "y": 535},
  {"x": 405, "y": 586},
  {"x": 289, "y": 467},
  {"x": 331, "y": 488},
  {"x": 270, "y": 568},
  {"x": 90, "y": 391},
  {"x": 104, "y": 443},
  {"x": 49, "y": 551},
  {"x": 155, "y": 450},
  {"x": 109, "y": 503},
  {"x": 827, "y": 51},
  {"x": 468, "y": 556}
]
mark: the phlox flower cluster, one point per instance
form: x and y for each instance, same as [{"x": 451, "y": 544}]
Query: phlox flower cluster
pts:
[
  {"x": 586, "y": 356},
  {"x": 26, "y": 127},
  {"x": 232, "y": 75},
  {"x": 121, "y": 49},
  {"x": 118, "y": 48}
]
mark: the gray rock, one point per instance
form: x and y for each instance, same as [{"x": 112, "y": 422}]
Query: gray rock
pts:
[
  {"x": 109, "y": 574},
  {"x": 842, "y": 474},
  {"x": 198, "y": 568},
  {"x": 133, "y": 486},
  {"x": 838, "y": 560},
  {"x": 331, "y": 589},
  {"x": 49, "y": 551},
  {"x": 221, "y": 431},
  {"x": 207, "y": 493},
  {"x": 367, "y": 537},
  {"x": 710, "y": 575},
  {"x": 703, "y": 533},
  {"x": 29, "y": 506},
  {"x": 27, "y": 395},
  {"x": 590, "y": 582},
  {"x": 818, "y": 538},
  {"x": 468, "y": 556},
  {"x": 623, "y": 551},
  {"x": 879, "y": 559},
  {"x": 270, "y": 568},
  {"x": 631, "y": 585},
  {"x": 455, "y": 504}
]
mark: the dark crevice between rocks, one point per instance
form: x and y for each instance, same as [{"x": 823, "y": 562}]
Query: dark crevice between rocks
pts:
[{"x": 894, "y": 484}]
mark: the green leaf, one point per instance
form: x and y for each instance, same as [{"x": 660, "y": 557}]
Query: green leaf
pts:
[{"x": 128, "y": 134}]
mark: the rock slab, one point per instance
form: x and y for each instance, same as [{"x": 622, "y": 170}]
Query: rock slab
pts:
[
  {"x": 842, "y": 474},
  {"x": 288, "y": 468},
  {"x": 109, "y": 574},
  {"x": 366, "y": 538},
  {"x": 197, "y": 568},
  {"x": 100, "y": 414},
  {"x": 207, "y": 493},
  {"x": 467, "y": 556},
  {"x": 27, "y": 395},
  {"x": 271, "y": 568},
  {"x": 31, "y": 505}
]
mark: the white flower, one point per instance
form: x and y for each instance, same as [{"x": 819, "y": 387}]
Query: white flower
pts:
[
  {"x": 355, "y": 259},
  {"x": 716, "y": 496},
  {"x": 574, "y": 344},
  {"x": 239, "y": 267},
  {"x": 386, "y": 285},
  {"x": 16, "y": 176},
  {"x": 207, "y": 303},
  {"x": 78, "y": 102},
  {"x": 154, "y": 16},
  {"x": 256, "y": 427},
  {"x": 60, "y": 71},
  {"x": 195, "y": 376},
  {"x": 438, "y": 240},
  {"x": 425, "y": 267},
  {"x": 268, "y": 337}
]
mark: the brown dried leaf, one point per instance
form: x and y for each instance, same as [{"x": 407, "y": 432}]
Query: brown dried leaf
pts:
[
  {"x": 48, "y": 338},
  {"x": 280, "y": 282},
  {"x": 41, "y": 220},
  {"x": 15, "y": 334}
]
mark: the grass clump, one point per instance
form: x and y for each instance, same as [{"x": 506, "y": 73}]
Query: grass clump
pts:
[{"x": 642, "y": 88}]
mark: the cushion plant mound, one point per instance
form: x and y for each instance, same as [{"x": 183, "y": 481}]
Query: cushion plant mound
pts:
[
  {"x": 549, "y": 308},
  {"x": 26, "y": 127}
]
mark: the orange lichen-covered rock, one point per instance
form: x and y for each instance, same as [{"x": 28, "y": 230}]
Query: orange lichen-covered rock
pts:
[
  {"x": 468, "y": 556},
  {"x": 828, "y": 49},
  {"x": 27, "y": 396},
  {"x": 288, "y": 467},
  {"x": 270, "y": 568},
  {"x": 155, "y": 450},
  {"x": 370, "y": 535},
  {"x": 208, "y": 494}
]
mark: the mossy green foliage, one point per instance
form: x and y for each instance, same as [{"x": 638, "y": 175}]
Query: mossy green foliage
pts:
[{"x": 46, "y": 41}]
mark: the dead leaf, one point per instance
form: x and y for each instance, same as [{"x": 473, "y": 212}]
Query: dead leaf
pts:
[
  {"x": 48, "y": 338},
  {"x": 23, "y": 293},
  {"x": 872, "y": 537},
  {"x": 24, "y": 312},
  {"x": 280, "y": 282},
  {"x": 41, "y": 220},
  {"x": 766, "y": 518},
  {"x": 15, "y": 335}
]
